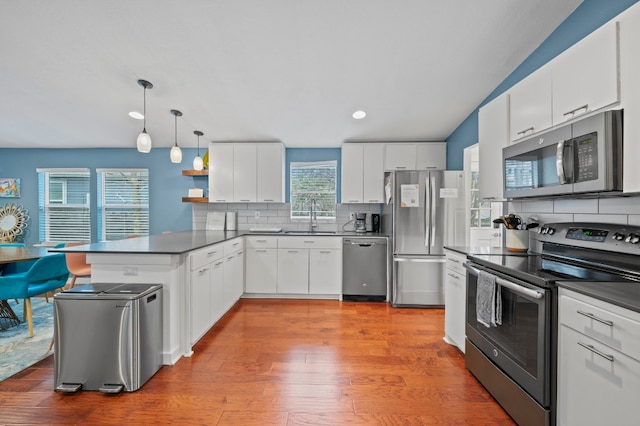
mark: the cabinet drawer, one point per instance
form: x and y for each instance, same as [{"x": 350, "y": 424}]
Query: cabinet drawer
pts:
[
  {"x": 310, "y": 242},
  {"x": 206, "y": 255},
  {"x": 456, "y": 263},
  {"x": 233, "y": 245},
  {"x": 603, "y": 322},
  {"x": 261, "y": 242}
]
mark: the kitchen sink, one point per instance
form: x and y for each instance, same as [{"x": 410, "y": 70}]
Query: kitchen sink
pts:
[{"x": 311, "y": 232}]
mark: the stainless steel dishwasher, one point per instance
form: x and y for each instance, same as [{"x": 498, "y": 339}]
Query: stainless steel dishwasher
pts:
[{"x": 365, "y": 269}]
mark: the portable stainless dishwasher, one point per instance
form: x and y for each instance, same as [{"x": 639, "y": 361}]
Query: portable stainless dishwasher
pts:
[{"x": 107, "y": 337}]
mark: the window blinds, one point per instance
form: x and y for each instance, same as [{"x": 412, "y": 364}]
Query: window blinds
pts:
[
  {"x": 315, "y": 180},
  {"x": 123, "y": 203}
]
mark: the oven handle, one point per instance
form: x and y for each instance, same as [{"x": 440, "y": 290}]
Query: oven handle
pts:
[{"x": 523, "y": 291}]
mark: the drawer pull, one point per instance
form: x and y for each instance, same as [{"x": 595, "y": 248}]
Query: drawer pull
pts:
[
  {"x": 292, "y": 251},
  {"x": 597, "y": 352},
  {"x": 219, "y": 263},
  {"x": 593, "y": 317},
  {"x": 261, "y": 241},
  {"x": 211, "y": 253},
  {"x": 453, "y": 276},
  {"x": 585, "y": 107},
  {"x": 522, "y": 132},
  {"x": 454, "y": 260},
  {"x": 325, "y": 251},
  {"x": 309, "y": 241}
]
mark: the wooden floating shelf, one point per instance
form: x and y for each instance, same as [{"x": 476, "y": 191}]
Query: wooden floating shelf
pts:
[
  {"x": 195, "y": 199},
  {"x": 195, "y": 172}
]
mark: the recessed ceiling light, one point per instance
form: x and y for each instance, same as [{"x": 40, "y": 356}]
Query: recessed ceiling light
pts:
[
  {"x": 136, "y": 115},
  {"x": 359, "y": 115}
]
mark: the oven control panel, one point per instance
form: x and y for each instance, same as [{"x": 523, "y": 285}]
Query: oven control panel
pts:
[
  {"x": 611, "y": 237},
  {"x": 587, "y": 234}
]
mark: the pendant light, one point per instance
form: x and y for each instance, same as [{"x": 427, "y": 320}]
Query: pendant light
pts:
[
  {"x": 144, "y": 140},
  {"x": 176, "y": 152},
  {"x": 197, "y": 162}
]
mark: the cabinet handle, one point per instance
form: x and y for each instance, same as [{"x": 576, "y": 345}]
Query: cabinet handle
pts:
[
  {"x": 453, "y": 276},
  {"x": 325, "y": 251},
  {"x": 203, "y": 270},
  {"x": 593, "y": 317},
  {"x": 573, "y": 111},
  {"x": 309, "y": 241},
  {"x": 374, "y": 201},
  {"x": 211, "y": 253},
  {"x": 218, "y": 263},
  {"x": 597, "y": 352},
  {"x": 522, "y": 132},
  {"x": 401, "y": 167},
  {"x": 261, "y": 241},
  {"x": 454, "y": 260},
  {"x": 221, "y": 201},
  {"x": 230, "y": 257},
  {"x": 235, "y": 244},
  {"x": 292, "y": 251},
  {"x": 267, "y": 199},
  {"x": 261, "y": 251},
  {"x": 430, "y": 167},
  {"x": 354, "y": 201}
]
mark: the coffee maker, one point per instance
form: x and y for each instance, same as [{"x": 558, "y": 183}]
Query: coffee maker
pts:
[{"x": 361, "y": 222}]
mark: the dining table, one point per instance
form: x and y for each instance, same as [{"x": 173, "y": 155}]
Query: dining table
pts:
[{"x": 12, "y": 255}]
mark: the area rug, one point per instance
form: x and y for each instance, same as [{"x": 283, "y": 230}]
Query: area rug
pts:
[{"x": 19, "y": 351}]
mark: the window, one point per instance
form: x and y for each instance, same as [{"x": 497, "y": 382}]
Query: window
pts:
[
  {"x": 480, "y": 210},
  {"x": 316, "y": 180},
  {"x": 64, "y": 205},
  {"x": 123, "y": 203}
]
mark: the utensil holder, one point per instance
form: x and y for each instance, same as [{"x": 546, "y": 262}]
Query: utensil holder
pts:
[{"x": 517, "y": 240}]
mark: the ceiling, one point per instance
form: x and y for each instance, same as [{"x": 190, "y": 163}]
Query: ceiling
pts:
[{"x": 253, "y": 70}]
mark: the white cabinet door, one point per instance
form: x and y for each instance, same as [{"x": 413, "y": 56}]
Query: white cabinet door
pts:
[
  {"x": 216, "y": 282},
  {"x": 400, "y": 156},
  {"x": 238, "y": 276},
  {"x": 630, "y": 87},
  {"x": 530, "y": 104},
  {"x": 585, "y": 76},
  {"x": 352, "y": 172},
  {"x": 431, "y": 156},
  {"x": 200, "y": 302},
  {"x": 373, "y": 173},
  {"x": 455, "y": 300},
  {"x": 325, "y": 271},
  {"x": 262, "y": 271},
  {"x": 220, "y": 173},
  {"x": 244, "y": 173},
  {"x": 228, "y": 295},
  {"x": 493, "y": 135},
  {"x": 293, "y": 271},
  {"x": 271, "y": 173}
]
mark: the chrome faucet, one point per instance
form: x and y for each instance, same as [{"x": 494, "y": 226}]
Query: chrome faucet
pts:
[{"x": 313, "y": 215}]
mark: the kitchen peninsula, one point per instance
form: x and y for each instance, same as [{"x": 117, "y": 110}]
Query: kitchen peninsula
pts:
[{"x": 165, "y": 259}]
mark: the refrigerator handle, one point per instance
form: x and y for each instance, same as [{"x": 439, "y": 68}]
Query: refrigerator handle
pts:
[
  {"x": 427, "y": 208},
  {"x": 434, "y": 209}
]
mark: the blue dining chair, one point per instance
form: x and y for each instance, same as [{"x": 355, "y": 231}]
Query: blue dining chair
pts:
[
  {"x": 12, "y": 245},
  {"x": 46, "y": 274}
]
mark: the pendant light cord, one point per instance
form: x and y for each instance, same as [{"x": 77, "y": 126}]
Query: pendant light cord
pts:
[{"x": 144, "y": 109}]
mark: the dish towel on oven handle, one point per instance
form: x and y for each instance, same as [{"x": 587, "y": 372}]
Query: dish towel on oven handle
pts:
[{"x": 488, "y": 300}]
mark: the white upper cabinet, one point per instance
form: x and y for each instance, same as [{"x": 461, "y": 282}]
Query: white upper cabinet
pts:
[
  {"x": 416, "y": 156},
  {"x": 493, "y": 135},
  {"x": 373, "y": 173},
  {"x": 245, "y": 158},
  {"x": 400, "y": 156},
  {"x": 362, "y": 172},
  {"x": 431, "y": 156},
  {"x": 530, "y": 104},
  {"x": 246, "y": 172},
  {"x": 585, "y": 76},
  {"x": 220, "y": 172},
  {"x": 270, "y": 173},
  {"x": 352, "y": 172}
]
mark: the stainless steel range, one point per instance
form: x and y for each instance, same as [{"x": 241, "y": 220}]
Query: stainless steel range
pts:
[{"x": 516, "y": 359}]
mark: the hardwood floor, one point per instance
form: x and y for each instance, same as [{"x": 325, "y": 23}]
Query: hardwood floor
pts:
[{"x": 285, "y": 362}]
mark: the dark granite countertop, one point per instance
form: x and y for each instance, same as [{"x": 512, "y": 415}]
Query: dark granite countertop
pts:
[
  {"x": 619, "y": 293},
  {"x": 185, "y": 241},
  {"x": 484, "y": 250}
]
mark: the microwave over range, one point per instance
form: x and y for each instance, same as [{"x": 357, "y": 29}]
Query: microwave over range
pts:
[{"x": 577, "y": 158}]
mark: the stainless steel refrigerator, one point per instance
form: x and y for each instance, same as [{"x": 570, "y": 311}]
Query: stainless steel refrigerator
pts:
[{"x": 417, "y": 215}]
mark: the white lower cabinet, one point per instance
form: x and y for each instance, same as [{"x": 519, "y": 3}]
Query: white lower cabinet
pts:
[
  {"x": 598, "y": 362},
  {"x": 233, "y": 272},
  {"x": 455, "y": 293},
  {"x": 206, "y": 288},
  {"x": 293, "y": 271},
  {"x": 261, "y": 265},
  {"x": 325, "y": 271}
]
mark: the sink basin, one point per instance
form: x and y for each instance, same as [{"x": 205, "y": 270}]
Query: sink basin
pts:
[{"x": 311, "y": 232}]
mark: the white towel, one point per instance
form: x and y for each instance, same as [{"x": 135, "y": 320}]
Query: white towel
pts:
[{"x": 488, "y": 300}]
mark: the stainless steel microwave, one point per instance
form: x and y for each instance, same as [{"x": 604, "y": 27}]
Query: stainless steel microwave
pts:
[{"x": 577, "y": 158}]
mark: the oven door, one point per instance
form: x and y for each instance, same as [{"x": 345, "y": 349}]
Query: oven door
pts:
[{"x": 520, "y": 347}]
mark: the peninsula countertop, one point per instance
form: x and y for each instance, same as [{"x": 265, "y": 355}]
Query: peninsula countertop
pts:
[
  {"x": 466, "y": 250},
  {"x": 185, "y": 241}
]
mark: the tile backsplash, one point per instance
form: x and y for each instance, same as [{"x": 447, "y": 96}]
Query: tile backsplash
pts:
[
  {"x": 620, "y": 210},
  {"x": 256, "y": 215}
]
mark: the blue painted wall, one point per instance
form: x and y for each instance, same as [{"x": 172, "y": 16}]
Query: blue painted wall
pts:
[{"x": 590, "y": 15}]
